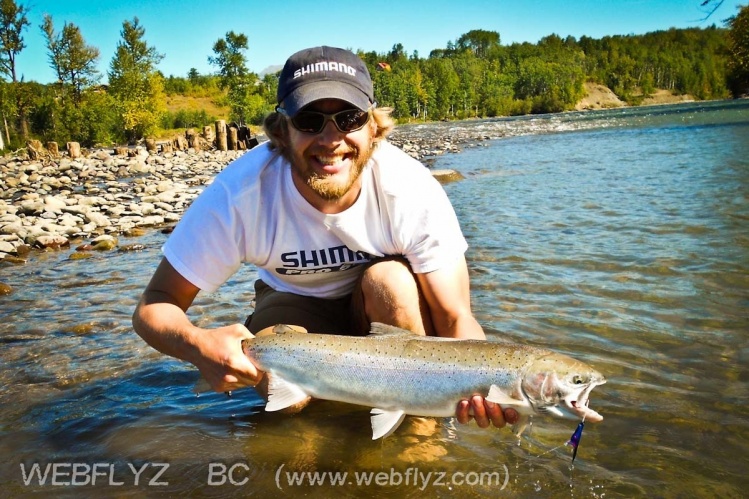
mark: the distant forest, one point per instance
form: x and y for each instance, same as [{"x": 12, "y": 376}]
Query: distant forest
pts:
[{"x": 473, "y": 76}]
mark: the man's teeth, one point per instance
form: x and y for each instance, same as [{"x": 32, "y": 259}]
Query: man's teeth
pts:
[{"x": 330, "y": 160}]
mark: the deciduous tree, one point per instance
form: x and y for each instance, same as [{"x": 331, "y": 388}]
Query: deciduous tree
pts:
[
  {"x": 135, "y": 83},
  {"x": 13, "y": 21},
  {"x": 247, "y": 105},
  {"x": 738, "y": 46},
  {"x": 73, "y": 61}
]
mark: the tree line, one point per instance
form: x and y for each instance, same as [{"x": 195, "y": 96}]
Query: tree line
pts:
[{"x": 473, "y": 76}]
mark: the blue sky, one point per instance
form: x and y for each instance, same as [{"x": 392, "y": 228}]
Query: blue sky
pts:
[{"x": 185, "y": 31}]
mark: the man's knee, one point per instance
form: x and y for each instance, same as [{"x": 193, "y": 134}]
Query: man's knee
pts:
[
  {"x": 390, "y": 294},
  {"x": 389, "y": 277}
]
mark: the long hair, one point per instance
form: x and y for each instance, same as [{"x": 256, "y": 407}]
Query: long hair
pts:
[{"x": 276, "y": 127}]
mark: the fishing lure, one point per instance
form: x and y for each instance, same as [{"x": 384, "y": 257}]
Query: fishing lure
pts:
[{"x": 574, "y": 440}]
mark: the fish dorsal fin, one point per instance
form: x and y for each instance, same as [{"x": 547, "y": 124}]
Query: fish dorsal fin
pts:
[
  {"x": 272, "y": 331},
  {"x": 385, "y": 331},
  {"x": 380, "y": 330},
  {"x": 284, "y": 328},
  {"x": 268, "y": 331},
  {"x": 283, "y": 394},
  {"x": 384, "y": 423}
]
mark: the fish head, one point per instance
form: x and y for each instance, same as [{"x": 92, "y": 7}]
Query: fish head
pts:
[{"x": 560, "y": 385}]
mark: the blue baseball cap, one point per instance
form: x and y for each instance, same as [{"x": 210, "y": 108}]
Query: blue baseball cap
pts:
[{"x": 324, "y": 73}]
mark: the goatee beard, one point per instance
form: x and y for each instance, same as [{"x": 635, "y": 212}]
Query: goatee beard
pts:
[
  {"x": 332, "y": 189},
  {"x": 329, "y": 188}
]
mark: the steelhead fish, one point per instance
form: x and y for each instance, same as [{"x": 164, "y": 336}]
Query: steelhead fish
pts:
[{"x": 399, "y": 373}]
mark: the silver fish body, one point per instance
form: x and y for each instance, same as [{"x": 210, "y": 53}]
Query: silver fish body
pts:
[{"x": 399, "y": 373}]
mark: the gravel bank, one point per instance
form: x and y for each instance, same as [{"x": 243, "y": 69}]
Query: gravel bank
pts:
[{"x": 87, "y": 202}]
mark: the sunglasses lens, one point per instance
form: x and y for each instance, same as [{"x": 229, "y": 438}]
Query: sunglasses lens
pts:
[
  {"x": 349, "y": 121},
  {"x": 308, "y": 121},
  {"x": 346, "y": 121}
]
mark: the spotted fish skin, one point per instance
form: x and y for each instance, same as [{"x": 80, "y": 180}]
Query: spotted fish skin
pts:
[{"x": 397, "y": 373}]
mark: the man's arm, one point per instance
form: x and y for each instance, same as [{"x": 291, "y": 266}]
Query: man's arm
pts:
[
  {"x": 447, "y": 291},
  {"x": 448, "y": 295},
  {"x": 160, "y": 319}
]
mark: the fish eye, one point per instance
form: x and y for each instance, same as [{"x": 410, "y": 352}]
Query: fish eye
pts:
[{"x": 577, "y": 379}]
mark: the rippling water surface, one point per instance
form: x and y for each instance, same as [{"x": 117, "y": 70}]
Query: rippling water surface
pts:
[{"x": 620, "y": 237}]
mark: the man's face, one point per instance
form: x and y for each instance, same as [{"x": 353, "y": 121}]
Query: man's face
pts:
[{"x": 326, "y": 166}]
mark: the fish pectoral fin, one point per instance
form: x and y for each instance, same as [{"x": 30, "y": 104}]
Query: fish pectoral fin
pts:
[
  {"x": 519, "y": 427},
  {"x": 384, "y": 423},
  {"x": 283, "y": 394},
  {"x": 497, "y": 396}
]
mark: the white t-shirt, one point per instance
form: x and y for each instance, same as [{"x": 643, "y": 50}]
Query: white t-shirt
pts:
[{"x": 253, "y": 213}]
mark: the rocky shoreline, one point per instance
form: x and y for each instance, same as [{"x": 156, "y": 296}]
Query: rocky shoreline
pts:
[
  {"x": 86, "y": 202},
  {"x": 53, "y": 203}
]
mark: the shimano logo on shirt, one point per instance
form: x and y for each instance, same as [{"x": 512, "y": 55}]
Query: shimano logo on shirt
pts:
[{"x": 335, "y": 259}]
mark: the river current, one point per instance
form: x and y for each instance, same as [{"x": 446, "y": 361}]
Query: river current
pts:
[{"x": 619, "y": 237}]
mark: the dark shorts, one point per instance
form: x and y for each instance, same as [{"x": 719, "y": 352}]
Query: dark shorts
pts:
[
  {"x": 317, "y": 315},
  {"x": 344, "y": 316}
]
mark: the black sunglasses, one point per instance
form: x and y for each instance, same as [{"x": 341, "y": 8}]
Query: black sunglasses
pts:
[{"x": 312, "y": 122}]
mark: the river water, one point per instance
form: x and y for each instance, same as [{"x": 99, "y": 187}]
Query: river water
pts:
[{"x": 620, "y": 237}]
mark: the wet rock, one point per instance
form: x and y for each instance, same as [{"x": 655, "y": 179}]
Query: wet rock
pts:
[
  {"x": 446, "y": 176},
  {"x": 23, "y": 249},
  {"x": 51, "y": 242},
  {"x": 104, "y": 243},
  {"x": 83, "y": 329},
  {"x": 6, "y": 247},
  {"x": 79, "y": 255},
  {"x": 5, "y": 289},
  {"x": 14, "y": 259},
  {"x": 97, "y": 218},
  {"x": 132, "y": 247},
  {"x": 135, "y": 232}
]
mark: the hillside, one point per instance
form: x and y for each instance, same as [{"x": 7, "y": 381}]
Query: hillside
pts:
[
  {"x": 601, "y": 97},
  {"x": 177, "y": 102}
]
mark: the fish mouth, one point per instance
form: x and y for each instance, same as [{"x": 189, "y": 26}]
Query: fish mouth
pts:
[{"x": 579, "y": 406}]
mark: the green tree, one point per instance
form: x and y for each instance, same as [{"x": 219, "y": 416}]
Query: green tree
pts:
[
  {"x": 243, "y": 94},
  {"x": 738, "y": 47},
  {"x": 135, "y": 83},
  {"x": 73, "y": 61},
  {"x": 13, "y": 21},
  {"x": 478, "y": 41},
  {"x": 444, "y": 89}
]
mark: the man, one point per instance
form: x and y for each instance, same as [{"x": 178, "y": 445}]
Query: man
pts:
[{"x": 345, "y": 230}]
